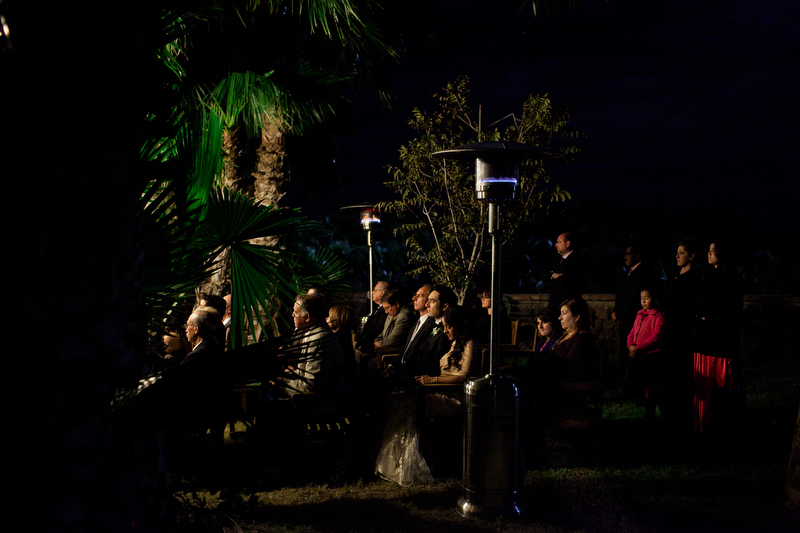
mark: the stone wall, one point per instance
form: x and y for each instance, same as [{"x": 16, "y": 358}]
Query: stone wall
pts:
[{"x": 767, "y": 321}]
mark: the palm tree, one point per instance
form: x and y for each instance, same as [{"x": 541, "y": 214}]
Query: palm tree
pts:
[
  {"x": 255, "y": 71},
  {"x": 240, "y": 76}
]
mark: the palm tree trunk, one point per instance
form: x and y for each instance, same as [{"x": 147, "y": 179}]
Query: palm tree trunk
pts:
[
  {"x": 269, "y": 173},
  {"x": 261, "y": 176}
]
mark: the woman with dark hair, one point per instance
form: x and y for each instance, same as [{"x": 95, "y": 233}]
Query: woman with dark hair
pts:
[
  {"x": 715, "y": 343},
  {"x": 400, "y": 459},
  {"x": 576, "y": 347},
  {"x": 484, "y": 320},
  {"x": 548, "y": 330},
  {"x": 454, "y": 366},
  {"x": 679, "y": 300}
]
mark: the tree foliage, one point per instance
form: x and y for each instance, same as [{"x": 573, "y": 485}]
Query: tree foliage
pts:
[
  {"x": 442, "y": 222},
  {"x": 228, "y": 71}
]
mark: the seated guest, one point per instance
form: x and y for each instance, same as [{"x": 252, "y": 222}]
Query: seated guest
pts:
[
  {"x": 454, "y": 366},
  {"x": 573, "y": 357},
  {"x": 174, "y": 350},
  {"x": 204, "y": 384},
  {"x": 342, "y": 320},
  {"x": 398, "y": 321},
  {"x": 422, "y": 327},
  {"x": 365, "y": 342},
  {"x": 400, "y": 458},
  {"x": 201, "y": 328},
  {"x": 218, "y": 304},
  {"x": 316, "y": 361},
  {"x": 375, "y": 321},
  {"x": 424, "y": 358},
  {"x": 577, "y": 348},
  {"x": 548, "y": 330}
]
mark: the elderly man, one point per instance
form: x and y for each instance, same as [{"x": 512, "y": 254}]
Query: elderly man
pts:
[
  {"x": 317, "y": 362},
  {"x": 398, "y": 321},
  {"x": 201, "y": 328},
  {"x": 375, "y": 322}
]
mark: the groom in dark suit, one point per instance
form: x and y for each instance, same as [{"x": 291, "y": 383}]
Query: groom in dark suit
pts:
[{"x": 429, "y": 349}]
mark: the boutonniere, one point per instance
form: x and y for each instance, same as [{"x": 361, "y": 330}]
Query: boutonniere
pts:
[{"x": 436, "y": 329}]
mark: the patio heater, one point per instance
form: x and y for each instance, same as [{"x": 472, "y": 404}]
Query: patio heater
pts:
[
  {"x": 369, "y": 217},
  {"x": 492, "y": 476}
]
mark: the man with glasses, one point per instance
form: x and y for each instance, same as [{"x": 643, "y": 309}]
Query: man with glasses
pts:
[
  {"x": 316, "y": 363},
  {"x": 201, "y": 328},
  {"x": 375, "y": 322}
]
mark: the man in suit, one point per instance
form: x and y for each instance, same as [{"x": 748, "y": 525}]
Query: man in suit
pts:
[
  {"x": 202, "y": 385},
  {"x": 567, "y": 278},
  {"x": 317, "y": 363},
  {"x": 398, "y": 321},
  {"x": 628, "y": 301},
  {"x": 201, "y": 330},
  {"x": 423, "y": 325},
  {"x": 375, "y": 323},
  {"x": 430, "y": 348}
]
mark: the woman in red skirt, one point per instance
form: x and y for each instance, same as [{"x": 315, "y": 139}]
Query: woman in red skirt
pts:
[{"x": 716, "y": 340}]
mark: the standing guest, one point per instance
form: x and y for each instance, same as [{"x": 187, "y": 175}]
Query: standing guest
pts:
[
  {"x": 483, "y": 326},
  {"x": 679, "y": 302},
  {"x": 567, "y": 278},
  {"x": 645, "y": 343},
  {"x": 638, "y": 275},
  {"x": 716, "y": 343}
]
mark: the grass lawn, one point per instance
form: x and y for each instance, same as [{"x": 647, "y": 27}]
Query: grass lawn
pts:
[{"x": 645, "y": 480}]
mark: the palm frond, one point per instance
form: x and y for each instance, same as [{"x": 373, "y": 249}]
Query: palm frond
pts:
[
  {"x": 261, "y": 276},
  {"x": 323, "y": 269},
  {"x": 174, "y": 266}
]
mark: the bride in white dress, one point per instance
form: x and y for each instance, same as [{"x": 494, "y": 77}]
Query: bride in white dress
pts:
[{"x": 400, "y": 459}]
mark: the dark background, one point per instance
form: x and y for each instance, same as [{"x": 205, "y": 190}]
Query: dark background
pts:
[{"x": 688, "y": 111}]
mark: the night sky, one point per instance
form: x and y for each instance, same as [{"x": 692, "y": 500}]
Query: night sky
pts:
[{"x": 685, "y": 106}]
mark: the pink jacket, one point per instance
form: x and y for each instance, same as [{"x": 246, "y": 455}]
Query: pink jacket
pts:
[{"x": 648, "y": 331}]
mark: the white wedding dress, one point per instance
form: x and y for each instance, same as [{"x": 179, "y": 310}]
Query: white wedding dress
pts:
[{"x": 400, "y": 458}]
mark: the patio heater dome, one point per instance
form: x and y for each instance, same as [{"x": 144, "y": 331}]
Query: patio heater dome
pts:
[{"x": 496, "y": 167}]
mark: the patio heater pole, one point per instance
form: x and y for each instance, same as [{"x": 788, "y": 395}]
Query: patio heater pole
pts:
[
  {"x": 493, "y": 478},
  {"x": 371, "y": 270},
  {"x": 369, "y": 216}
]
